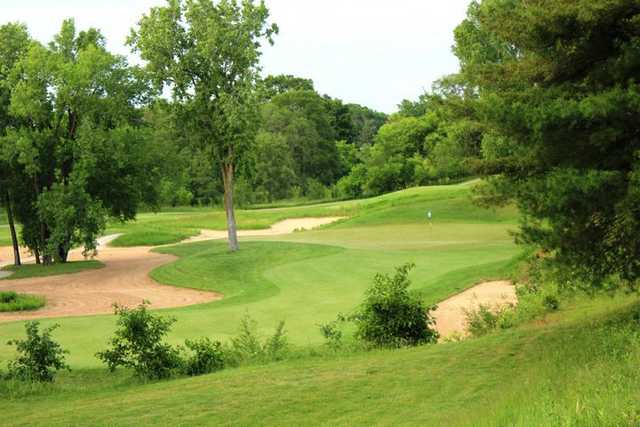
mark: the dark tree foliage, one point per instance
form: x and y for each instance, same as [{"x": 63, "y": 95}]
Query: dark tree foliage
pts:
[
  {"x": 365, "y": 123},
  {"x": 303, "y": 119},
  {"x": 560, "y": 97},
  {"x": 271, "y": 86},
  {"x": 73, "y": 147}
]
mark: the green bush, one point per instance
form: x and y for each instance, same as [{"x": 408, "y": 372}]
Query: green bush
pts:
[
  {"x": 332, "y": 334},
  {"x": 138, "y": 344},
  {"x": 551, "y": 302},
  {"x": 533, "y": 302},
  {"x": 350, "y": 186},
  {"x": 12, "y": 301},
  {"x": 276, "y": 346},
  {"x": 207, "y": 356},
  {"x": 246, "y": 347},
  {"x": 483, "y": 320},
  {"x": 8, "y": 297},
  {"x": 39, "y": 356},
  {"x": 316, "y": 191},
  {"x": 391, "y": 316}
]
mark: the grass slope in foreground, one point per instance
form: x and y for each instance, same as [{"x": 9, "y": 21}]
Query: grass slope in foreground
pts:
[
  {"x": 308, "y": 278},
  {"x": 578, "y": 367}
]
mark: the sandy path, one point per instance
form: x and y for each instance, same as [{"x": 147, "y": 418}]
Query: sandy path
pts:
[
  {"x": 450, "y": 317},
  {"x": 283, "y": 227},
  {"x": 124, "y": 279}
]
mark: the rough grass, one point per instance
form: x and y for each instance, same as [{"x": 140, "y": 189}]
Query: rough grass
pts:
[
  {"x": 577, "y": 368},
  {"x": 13, "y": 301},
  {"x": 27, "y": 271}
]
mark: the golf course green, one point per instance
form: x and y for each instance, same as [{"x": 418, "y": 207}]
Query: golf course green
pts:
[{"x": 307, "y": 278}]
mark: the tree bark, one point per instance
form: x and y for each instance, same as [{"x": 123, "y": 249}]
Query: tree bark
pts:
[
  {"x": 44, "y": 259},
  {"x": 63, "y": 253},
  {"x": 12, "y": 227},
  {"x": 227, "y": 178}
]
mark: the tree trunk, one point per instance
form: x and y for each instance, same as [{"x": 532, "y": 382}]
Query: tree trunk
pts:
[
  {"x": 227, "y": 178},
  {"x": 12, "y": 228},
  {"x": 63, "y": 253},
  {"x": 44, "y": 259}
]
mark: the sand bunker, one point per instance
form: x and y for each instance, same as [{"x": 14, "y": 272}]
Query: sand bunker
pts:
[
  {"x": 125, "y": 280},
  {"x": 283, "y": 227},
  {"x": 450, "y": 316}
]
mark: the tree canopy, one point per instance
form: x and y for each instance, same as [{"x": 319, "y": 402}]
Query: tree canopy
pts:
[
  {"x": 559, "y": 94},
  {"x": 208, "y": 55},
  {"x": 73, "y": 148}
]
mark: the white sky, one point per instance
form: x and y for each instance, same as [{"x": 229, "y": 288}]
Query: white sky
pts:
[{"x": 372, "y": 52}]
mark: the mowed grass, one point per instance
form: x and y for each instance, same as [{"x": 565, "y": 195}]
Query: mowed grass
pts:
[
  {"x": 448, "y": 204},
  {"x": 153, "y": 229},
  {"x": 27, "y": 271},
  {"x": 578, "y": 367},
  {"x": 308, "y": 278}
]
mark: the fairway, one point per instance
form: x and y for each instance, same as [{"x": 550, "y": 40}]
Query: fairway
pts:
[{"x": 308, "y": 277}]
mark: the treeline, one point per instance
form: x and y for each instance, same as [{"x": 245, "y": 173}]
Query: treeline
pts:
[
  {"x": 85, "y": 137},
  {"x": 316, "y": 147},
  {"x": 305, "y": 143}
]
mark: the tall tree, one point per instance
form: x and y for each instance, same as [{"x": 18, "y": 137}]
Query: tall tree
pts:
[
  {"x": 560, "y": 97},
  {"x": 14, "y": 43},
  {"x": 208, "y": 54},
  {"x": 78, "y": 144}
]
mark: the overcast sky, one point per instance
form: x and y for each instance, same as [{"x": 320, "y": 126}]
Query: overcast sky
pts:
[{"x": 372, "y": 52}]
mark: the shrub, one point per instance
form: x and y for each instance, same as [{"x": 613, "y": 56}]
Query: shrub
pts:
[
  {"x": 246, "y": 344},
  {"x": 276, "y": 346},
  {"x": 316, "y": 191},
  {"x": 482, "y": 320},
  {"x": 138, "y": 344},
  {"x": 551, "y": 302},
  {"x": 350, "y": 186},
  {"x": 207, "y": 356},
  {"x": 246, "y": 347},
  {"x": 7, "y": 297},
  {"x": 393, "y": 316},
  {"x": 12, "y": 301},
  {"x": 533, "y": 302},
  {"x": 332, "y": 334},
  {"x": 39, "y": 356}
]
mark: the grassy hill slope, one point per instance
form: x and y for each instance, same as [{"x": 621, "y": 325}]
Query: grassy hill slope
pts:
[{"x": 577, "y": 367}]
